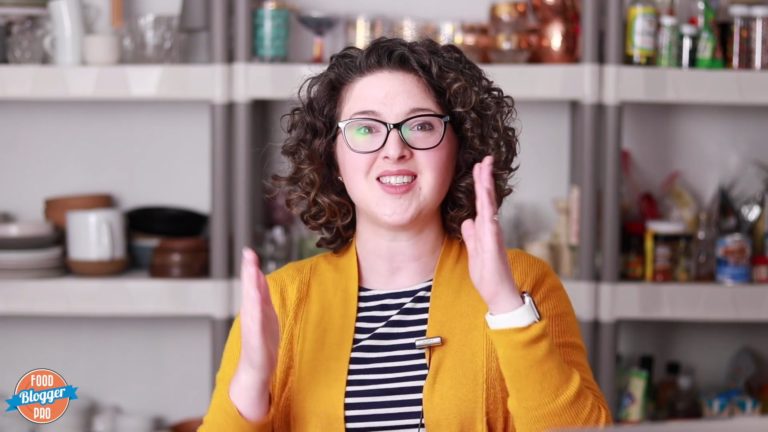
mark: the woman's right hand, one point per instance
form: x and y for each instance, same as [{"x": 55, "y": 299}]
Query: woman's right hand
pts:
[{"x": 260, "y": 334}]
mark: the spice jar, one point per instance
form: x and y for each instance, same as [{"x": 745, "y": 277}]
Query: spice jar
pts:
[
  {"x": 759, "y": 34},
  {"x": 740, "y": 51}
]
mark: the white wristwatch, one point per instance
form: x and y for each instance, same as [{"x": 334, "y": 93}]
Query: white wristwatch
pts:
[{"x": 523, "y": 316}]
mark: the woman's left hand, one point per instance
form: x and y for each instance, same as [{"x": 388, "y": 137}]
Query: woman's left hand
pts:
[{"x": 488, "y": 263}]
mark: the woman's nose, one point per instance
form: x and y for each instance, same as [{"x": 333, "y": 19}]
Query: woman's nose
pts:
[{"x": 395, "y": 148}]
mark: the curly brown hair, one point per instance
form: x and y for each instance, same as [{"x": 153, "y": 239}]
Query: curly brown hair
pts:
[{"x": 481, "y": 116}]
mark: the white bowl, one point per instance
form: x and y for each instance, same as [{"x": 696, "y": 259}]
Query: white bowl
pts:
[{"x": 26, "y": 229}]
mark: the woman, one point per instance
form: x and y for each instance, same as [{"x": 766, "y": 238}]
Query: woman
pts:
[{"x": 398, "y": 155}]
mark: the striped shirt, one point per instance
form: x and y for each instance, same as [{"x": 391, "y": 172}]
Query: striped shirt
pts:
[{"x": 385, "y": 381}]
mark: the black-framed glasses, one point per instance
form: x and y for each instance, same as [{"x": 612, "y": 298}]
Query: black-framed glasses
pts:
[{"x": 368, "y": 135}]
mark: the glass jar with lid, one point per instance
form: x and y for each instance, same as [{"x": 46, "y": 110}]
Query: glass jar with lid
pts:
[
  {"x": 740, "y": 50},
  {"x": 759, "y": 34}
]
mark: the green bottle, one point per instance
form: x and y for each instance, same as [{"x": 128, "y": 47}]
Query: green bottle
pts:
[{"x": 708, "y": 53}]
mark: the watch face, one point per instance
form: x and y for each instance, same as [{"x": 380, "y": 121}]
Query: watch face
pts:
[{"x": 528, "y": 300}]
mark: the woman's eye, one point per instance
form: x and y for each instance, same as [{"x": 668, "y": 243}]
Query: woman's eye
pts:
[
  {"x": 422, "y": 127},
  {"x": 363, "y": 130}
]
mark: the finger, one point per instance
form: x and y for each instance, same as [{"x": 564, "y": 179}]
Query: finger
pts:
[
  {"x": 248, "y": 279},
  {"x": 488, "y": 189},
  {"x": 468, "y": 234},
  {"x": 477, "y": 179}
]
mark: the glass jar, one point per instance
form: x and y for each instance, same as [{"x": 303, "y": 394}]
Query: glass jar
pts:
[
  {"x": 641, "y": 32},
  {"x": 668, "y": 42},
  {"x": 759, "y": 34},
  {"x": 667, "y": 251},
  {"x": 740, "y": 52}
]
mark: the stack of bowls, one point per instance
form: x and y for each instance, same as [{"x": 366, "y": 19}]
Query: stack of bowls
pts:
[
  {"x": 56, "y": 208},
  {"x": 170, "y": 242},
  {"x": 30, "y": 250}
]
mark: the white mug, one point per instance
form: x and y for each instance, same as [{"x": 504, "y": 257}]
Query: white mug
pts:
[
  {"x": 65, "y": 42},
  {"x": 96, "y": 235},
  {"x": 101, "y": 49}
]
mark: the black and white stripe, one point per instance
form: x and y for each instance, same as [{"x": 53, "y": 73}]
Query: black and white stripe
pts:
[{"x": 385, "y": 381}]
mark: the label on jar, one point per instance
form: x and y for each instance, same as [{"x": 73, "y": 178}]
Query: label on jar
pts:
[
  {"x": 641, "y": 31},
  {"x": 734, "y": 254}
]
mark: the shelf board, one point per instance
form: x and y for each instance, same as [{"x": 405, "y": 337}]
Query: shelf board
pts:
[
  {"x": 15, "y": 11},
  {"x": 583, "y": 295},
  {"x": 655, "y": 85},
  {"x": 693, "y": 302},
  {"x": 561, "y": 83},
  {"x": 132, "y": 294},
  {"x": 117, "y": 83}
]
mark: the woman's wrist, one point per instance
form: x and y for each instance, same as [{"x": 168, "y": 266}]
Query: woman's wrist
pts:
[
  {"x": 507, "y": 300},
  {"x": 249, "y": 393}
]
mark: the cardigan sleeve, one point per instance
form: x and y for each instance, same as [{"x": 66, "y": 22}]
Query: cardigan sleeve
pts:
[
  {"x": 222, "y": 414},
  {"x": 545, "y": 368}
]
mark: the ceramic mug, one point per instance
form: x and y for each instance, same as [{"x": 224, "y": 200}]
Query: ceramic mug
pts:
[
  {"x": 96, "y": 235},
  {"x": 101, "y": 49}
]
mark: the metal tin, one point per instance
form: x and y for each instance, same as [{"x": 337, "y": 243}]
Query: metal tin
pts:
[{"x": 271, "y": 26}]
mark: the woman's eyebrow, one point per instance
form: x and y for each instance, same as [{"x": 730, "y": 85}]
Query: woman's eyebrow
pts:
[{"x": 376, "y": 114}]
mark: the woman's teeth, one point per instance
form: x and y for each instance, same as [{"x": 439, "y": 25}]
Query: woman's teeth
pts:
[{"x": 396, "y": 180}]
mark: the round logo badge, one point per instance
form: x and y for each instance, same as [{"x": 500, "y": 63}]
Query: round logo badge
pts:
[{"x": 42, "y": 396}]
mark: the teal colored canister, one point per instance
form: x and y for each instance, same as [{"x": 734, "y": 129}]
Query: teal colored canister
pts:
[{"x": 271, "y": 25}]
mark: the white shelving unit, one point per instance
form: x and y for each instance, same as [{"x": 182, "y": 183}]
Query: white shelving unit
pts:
[
  {"x": 682, "y": 302},
  {"x": 528, "y": 82},
  {"x": 133, "y": 295},
  {"x": 115, "y": 83},
  {"x": 654, "y": 85}
]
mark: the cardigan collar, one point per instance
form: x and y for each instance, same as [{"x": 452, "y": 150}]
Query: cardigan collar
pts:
[{"x": 456, "y": 314}]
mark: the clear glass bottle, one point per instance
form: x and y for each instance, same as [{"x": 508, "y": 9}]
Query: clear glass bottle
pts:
[{"x": 640, "y": 40}]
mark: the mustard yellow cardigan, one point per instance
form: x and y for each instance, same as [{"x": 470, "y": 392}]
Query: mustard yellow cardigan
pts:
[{"x": 521, "y": 379}]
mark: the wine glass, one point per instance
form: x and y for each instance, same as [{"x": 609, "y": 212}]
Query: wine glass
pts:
[{"x": 319, "y": 24}]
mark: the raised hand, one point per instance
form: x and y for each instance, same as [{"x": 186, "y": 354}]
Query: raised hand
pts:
[
  {"x": 260, "y": 334},
  {"x": 488, "y": 264}
]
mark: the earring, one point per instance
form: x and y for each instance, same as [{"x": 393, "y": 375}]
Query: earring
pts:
[{"x": 340, "y": 179}]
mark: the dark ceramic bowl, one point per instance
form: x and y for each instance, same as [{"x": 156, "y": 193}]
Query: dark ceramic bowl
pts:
[{"x": 167, "y": 221}]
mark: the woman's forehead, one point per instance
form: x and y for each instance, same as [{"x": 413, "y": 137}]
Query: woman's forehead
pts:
[{"x": 392, "y": 94}]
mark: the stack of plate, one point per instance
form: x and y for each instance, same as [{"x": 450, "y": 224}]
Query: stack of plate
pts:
[{"x": 30, "y": 250}]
